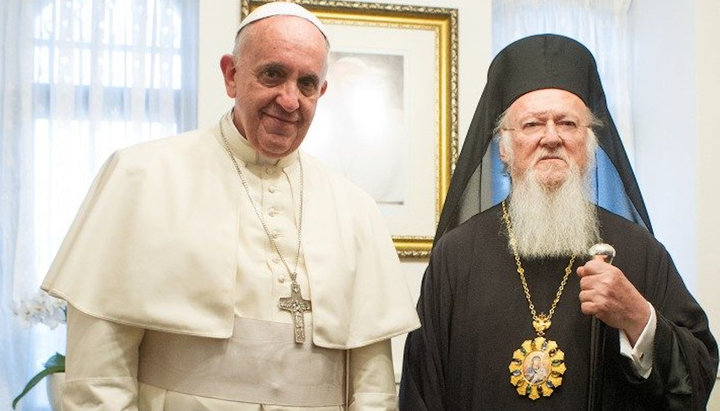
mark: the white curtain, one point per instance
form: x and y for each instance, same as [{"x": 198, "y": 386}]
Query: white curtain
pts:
[
  {"x": 80, "y": 79},
  {"x": 601, "y": 25}
]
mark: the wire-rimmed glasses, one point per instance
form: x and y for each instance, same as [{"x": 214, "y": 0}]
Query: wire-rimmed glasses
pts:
[{"x": 537, "y": 128}]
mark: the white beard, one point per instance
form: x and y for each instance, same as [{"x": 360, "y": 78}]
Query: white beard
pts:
[{"x": 555, "y": 223}]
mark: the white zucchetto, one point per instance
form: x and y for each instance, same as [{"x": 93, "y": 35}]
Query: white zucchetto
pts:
[{"x": 280, "y": 8}]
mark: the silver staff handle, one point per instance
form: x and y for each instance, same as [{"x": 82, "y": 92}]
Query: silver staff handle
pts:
[{"x": 603, "y": 249}]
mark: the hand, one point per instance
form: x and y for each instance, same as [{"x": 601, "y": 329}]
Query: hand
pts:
[{"x": 607, "y": 294}]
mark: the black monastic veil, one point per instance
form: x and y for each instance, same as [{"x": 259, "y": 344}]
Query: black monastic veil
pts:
[{"x": 534, "y": 63}]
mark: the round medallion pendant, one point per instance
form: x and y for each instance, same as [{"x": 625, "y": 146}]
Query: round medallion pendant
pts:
[{"x": 537, "y": 368}]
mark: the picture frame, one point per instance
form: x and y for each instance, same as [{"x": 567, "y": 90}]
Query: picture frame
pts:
[{"x": 388, "y": 120}]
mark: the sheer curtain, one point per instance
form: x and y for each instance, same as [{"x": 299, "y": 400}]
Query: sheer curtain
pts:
[
  {"x": 80, "y": 79},
  {"x": 602, "y": 26}
]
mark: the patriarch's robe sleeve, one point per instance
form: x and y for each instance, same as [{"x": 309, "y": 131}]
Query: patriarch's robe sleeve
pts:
[
  {"x": 685, "y": 357},
  {"x": 426, "y": 350},
  {"x": 101, "y": 364}
]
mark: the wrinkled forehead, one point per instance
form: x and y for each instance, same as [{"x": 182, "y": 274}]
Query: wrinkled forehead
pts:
[{"x": 548, "y": 103}]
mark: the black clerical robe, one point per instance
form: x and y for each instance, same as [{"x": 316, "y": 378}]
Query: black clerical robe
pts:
[{"x": 474, "y": 316}]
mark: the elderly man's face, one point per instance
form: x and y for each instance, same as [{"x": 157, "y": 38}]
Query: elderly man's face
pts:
[
  {"x": 277, "y": 82},
  {"x": 547, "y": 135}
]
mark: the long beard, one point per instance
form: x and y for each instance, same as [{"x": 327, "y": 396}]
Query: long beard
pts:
[{"x": 553, "y": 223}]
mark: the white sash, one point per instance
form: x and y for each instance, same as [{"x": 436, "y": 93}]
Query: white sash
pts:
[{"x": 260, "y": 363}]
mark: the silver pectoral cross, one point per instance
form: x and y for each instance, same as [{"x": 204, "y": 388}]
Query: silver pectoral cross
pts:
[{"x": 297, "y": 306}]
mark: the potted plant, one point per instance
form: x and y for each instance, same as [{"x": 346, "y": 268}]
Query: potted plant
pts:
[{"x": 42, "y": 308}]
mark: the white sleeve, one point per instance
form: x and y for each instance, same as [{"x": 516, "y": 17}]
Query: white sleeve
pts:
[
  {"x": 101, "y": 364},
  {"x": 372, "y": 380},
  {"x": 642, "y": 353}
]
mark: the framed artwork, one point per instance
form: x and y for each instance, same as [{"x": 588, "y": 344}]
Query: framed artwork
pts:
[{"x": 388, "y": 121}]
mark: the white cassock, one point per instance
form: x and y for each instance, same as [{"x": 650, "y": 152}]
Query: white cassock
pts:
[{"x": 173, "y": 285}]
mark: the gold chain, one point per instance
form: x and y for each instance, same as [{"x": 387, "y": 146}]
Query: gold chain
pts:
[{"x": 541, "y": 322}]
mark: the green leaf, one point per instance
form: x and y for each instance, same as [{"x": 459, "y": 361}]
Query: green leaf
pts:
[
  {"x": 54, "y": 364},
  {"x": 57, "y": 360}
]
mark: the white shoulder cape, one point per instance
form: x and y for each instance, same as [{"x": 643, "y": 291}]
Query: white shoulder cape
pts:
[{"x": 154, "y": 246}]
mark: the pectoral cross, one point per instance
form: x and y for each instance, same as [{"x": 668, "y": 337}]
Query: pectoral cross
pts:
[{"x": 297, "y": 306}]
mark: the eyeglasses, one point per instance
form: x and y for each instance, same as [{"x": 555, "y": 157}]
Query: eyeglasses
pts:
[{"x": 537, "y": 128}]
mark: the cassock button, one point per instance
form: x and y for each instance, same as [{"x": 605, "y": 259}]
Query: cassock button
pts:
[
  {"x": 281, "y": 280},
  {"x": 272, "y": 189},
  {"x": 272, "y": 212},
  {"x": 269, "y": 170}
]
